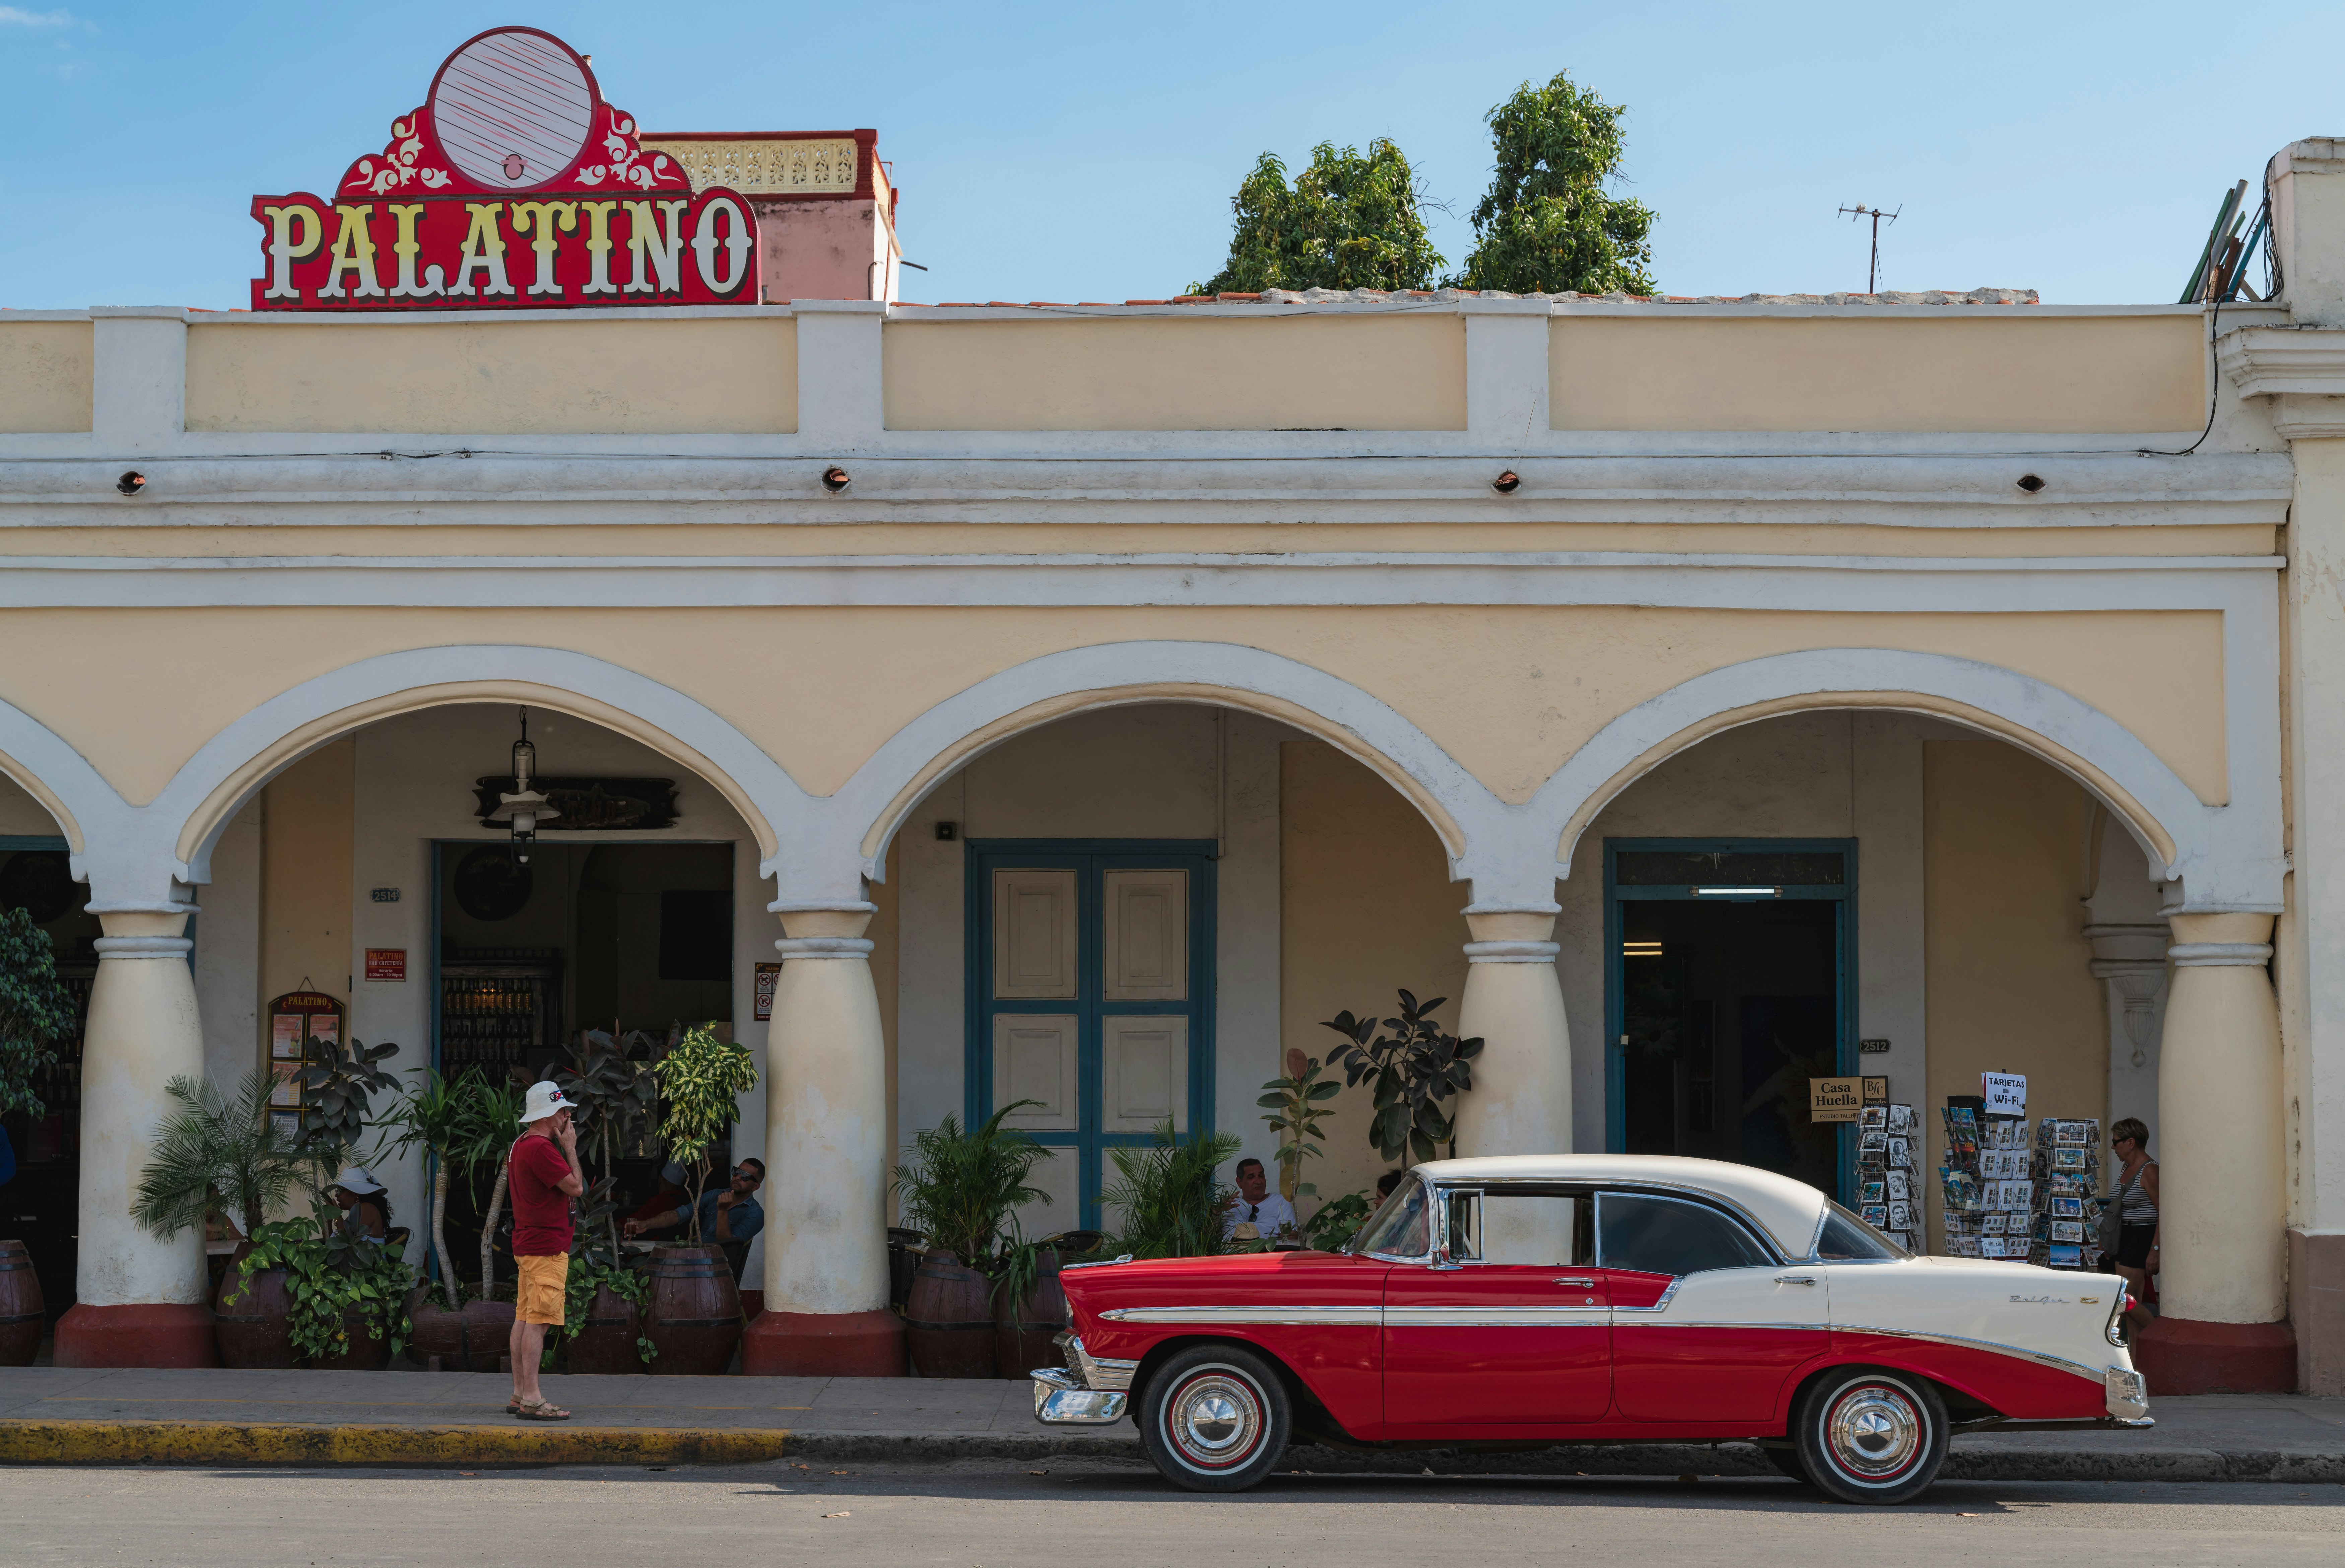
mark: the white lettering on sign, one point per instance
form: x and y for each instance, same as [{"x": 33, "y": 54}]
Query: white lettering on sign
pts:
[{"x": 2006, "y": 1093}]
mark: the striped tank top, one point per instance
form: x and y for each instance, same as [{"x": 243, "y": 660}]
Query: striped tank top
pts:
[{"x": 2134, "y": 1205}]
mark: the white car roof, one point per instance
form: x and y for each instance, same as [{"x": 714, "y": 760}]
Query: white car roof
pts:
[{"x": 1790, "y": 1209}]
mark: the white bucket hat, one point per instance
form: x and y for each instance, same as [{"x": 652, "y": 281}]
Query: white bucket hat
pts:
[
  {"x": 355, "y": 1178},
  {"x": 544, "y": 1099}
]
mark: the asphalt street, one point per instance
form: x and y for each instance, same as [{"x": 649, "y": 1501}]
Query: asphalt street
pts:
[{"x": 991, "y": 1513}]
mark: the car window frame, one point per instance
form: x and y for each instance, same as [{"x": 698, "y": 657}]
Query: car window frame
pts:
[
  {"x": 1733, "y": 1213},
  {"x": 1583, "y": 1190}
]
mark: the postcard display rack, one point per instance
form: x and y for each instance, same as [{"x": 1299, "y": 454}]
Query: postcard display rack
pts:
[
  {"x": 1888, "y": 1195},
  {"x": 2022, "y": 1192}
]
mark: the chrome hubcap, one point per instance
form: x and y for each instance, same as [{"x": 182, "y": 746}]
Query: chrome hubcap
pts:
[
  {"x": 1214, "y": 1420},
  {"x": 1874, "y": 1433}
]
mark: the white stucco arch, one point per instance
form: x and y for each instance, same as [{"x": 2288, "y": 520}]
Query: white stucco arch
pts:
[
  {"x": 2229, "y": 855},
  {"x": 42, "y": 763},
  {"x": 184, "y": 819},
  {"x": 864, "y": 815}
]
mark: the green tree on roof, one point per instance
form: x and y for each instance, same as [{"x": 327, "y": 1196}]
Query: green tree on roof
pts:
[
  {"x": 1548, "y": 225},
  {"x": 1350, "y": 220}
]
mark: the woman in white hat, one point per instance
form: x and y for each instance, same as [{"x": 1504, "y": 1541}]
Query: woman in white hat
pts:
[{"x": 362, "y": 1201}]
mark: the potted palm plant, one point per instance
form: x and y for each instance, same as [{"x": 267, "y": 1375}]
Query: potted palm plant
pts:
[
  {"x": 618, "y": 1099},
  {"x": 1171, "y": 1195},
  {"x": 961, "y": 1188},
  {"x": 442, "y": 1117},
  {"x": 212, "y": 1154},
  {"x": 694, "y": 1320}
]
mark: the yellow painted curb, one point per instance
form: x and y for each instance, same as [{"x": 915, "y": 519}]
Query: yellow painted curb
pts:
[{"x": 257, "y": 1442}]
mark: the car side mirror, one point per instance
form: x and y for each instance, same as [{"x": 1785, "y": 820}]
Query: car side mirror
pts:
[{"x": 1441, "y": 1259}]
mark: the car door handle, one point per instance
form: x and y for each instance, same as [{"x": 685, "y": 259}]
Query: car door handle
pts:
[
  {"x": 1795, "y": 1278},
  {"x": 1575, "y": 1280}
]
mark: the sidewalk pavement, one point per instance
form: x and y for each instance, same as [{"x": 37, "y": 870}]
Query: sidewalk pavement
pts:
[{"x": 65, "y": 1415}]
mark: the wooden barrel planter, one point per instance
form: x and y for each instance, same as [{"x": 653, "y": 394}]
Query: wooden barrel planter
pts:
[
  {"x": 249, "y": 1318},
  {"x": 607, "y": 1343},
  {"x": 949, "y": 1319},
  {"x": 470, "y": 1340},
  {"x": 696, "y": 1311},
  {"x": 364, "y": 1350},
  {"x": 1024, "y": 1330},
  {"x": 23, "y": 1314}
]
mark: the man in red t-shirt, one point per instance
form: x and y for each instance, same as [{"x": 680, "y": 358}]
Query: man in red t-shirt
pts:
[{"x": 543, "y": 1177}]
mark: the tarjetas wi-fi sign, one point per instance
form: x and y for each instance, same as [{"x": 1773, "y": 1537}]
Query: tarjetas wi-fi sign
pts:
[{"x": 515, "y": 113}]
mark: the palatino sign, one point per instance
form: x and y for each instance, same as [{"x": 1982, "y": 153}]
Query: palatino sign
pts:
[{"x": 515, "y": 187}]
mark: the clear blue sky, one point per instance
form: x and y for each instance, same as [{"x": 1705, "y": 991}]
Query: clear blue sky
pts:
[{"x": 1089, "y": 151}]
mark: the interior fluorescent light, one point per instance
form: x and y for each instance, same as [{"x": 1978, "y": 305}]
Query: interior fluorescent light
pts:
[
  {"x": 1640, "y": 949},
  {"x": 1736, "y": 892}
]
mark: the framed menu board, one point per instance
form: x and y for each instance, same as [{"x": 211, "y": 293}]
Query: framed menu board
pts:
[{"x": 294, "y": 1019}]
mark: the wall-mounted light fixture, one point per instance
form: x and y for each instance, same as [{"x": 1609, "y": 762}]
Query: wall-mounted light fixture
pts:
[
  {"x": 523, "y": 807},
  {"x": 1738, "y": 892}
]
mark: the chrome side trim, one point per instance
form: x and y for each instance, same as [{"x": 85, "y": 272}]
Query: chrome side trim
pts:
[
  {"x": 1660, "y": 1306},
  {"x": 1488, "y": 1317},
  {"x": 1366, "y": 1316},
  {"x": 2060, "y": 1363},
  {"x": 1098, "y": 1263},
  {"x": 1758, "y": 1327}
]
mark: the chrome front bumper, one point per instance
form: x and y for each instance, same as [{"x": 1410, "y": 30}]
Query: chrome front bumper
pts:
[
  {"x": 1062, "y": 1400},
  {"x": 1088, "y": 1391}
]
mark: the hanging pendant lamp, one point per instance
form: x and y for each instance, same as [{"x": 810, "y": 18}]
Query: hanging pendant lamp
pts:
[{"x": 524, "y": 807}]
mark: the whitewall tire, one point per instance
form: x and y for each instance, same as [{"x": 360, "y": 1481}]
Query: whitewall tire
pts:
[
  {"x": 1865, "y": 1434},
  {"x": 1215, "y": 1418}
]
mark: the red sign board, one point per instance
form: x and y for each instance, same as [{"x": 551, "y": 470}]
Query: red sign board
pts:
[
  {"x": 386, "y": 963},
  {"x": 515, "y": 187}
]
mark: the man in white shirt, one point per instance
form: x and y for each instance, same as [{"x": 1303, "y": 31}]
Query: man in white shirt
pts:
[{"x": 1258, "y": 1213}]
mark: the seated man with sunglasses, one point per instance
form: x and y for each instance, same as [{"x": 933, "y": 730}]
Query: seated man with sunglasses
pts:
[{"x": 733, "y": 1214}]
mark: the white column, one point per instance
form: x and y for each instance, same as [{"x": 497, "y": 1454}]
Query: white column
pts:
[
  {"x": 826, "y": 1157},
  {"x": 2129, "y": 959},
  {"x": 1521, "y": 1099},
  {"x": 140, "y": 1302},
  {"x": 2222, "y": 1198}
]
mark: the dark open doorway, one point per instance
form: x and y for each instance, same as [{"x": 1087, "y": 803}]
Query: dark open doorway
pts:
[{"x": 1729, "y": 983}]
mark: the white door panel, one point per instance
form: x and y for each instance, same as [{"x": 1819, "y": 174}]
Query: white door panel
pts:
[
  {"x": 1144, "y": 952},
  {"x": 1034, "y": 934},
  {"x": 1035, "y": 1057},
  {"x": 1143, "y": 1072}
]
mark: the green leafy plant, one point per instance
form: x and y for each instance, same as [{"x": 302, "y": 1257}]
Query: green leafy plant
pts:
[
  {"x": 617, "y": 1099},
  {"x": 960, "y": 1187},
  {"x": 35, "y": 1011},
  {"x": 1171, "y": 1194},
  {"x": 436, "y": 1115},
  {"x": 338, "y": 1083},
  {"x": 701, "y": 1081},
  {"x": 1548, "y": 225},
  {"x": 492, "y": 1129},
  {"x": 1337, "y": 1220},
  {"x": 331, "y": 1273},
  {"x": 1350, "y": 222},
  {"x": 590, "y": 1272},
  {"x": 1410, "y": 1072},
  {"x": 1297, "y": 1105},
  {"x": 210, "y": 1153}
]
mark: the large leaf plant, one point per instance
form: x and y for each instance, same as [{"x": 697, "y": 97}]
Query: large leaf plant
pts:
[
  {"x": 1410, "y": 1070},
  {"x": 701, "y": 1081}
]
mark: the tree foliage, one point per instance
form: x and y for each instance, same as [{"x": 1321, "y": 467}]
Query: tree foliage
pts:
[
  {"x": 702, "y": 1080},
  {"x": 1349, "y": 221},
  {"x": 1546, "y": 226},
  {"x": 1411, "y": 1070},
  {"x": 960, "y": 1187},
  {"x": 36, "y": 1010}
]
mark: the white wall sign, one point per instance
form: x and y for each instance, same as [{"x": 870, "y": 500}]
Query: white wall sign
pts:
[{"x": 2006, "y": 1093}]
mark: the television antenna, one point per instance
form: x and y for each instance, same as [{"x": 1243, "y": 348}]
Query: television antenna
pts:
[{"x": 1860, "y": 211}]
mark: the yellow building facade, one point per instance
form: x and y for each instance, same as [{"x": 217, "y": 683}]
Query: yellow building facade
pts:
[{"x": 1087, "y": 702}]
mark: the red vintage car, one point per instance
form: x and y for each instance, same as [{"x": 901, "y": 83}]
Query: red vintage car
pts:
[{"x": 1575, "y": 1298}]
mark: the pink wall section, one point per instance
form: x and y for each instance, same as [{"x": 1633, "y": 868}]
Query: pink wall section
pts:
[{"x": 824, "y": 249}]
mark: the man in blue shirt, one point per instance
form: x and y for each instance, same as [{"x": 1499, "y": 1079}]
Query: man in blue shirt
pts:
[{"x": 733, "y": 1214}]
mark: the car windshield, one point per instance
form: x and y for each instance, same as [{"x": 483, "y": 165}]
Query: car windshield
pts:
[
  {"x": 1398, "y": 1230},
  {"x": 1847, "y": 1239}
]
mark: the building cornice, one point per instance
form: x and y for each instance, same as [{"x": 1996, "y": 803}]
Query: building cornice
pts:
[{"x": 2300, "y": 368}]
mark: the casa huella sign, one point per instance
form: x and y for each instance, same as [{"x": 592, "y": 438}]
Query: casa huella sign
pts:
[{"x": 515, "y": 187}]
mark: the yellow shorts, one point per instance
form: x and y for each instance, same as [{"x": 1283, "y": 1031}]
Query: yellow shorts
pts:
[{"x": 543, "y": 1280}]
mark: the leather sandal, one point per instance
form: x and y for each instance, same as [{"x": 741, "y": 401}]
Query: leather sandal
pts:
[{"x": 542, "y": 1410}]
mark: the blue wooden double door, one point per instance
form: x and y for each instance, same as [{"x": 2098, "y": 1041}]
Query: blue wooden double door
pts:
[{"x": 1091, "y": 979}]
